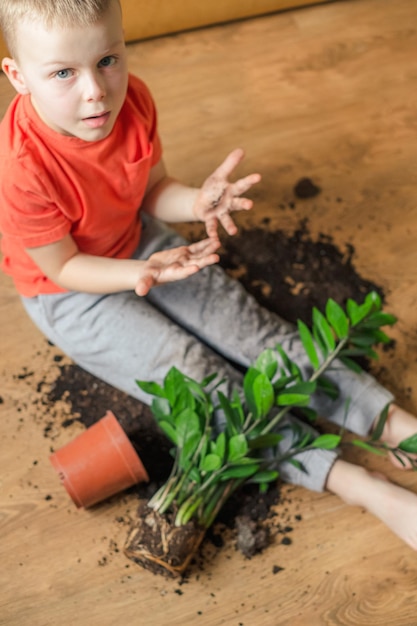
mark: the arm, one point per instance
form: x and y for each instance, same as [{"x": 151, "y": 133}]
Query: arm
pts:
[
  {"x": 171, "y": 201},
  {"x": 65, "y": 265}
]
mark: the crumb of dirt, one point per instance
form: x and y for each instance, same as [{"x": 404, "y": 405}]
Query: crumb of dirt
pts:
[
  {"x": 305, "y": 188},
  {"x": 252, "y": 536},
  {"x": 276, "y": 569}
]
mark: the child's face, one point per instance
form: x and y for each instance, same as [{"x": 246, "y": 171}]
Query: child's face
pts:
[{"x": 76, "y": 76}]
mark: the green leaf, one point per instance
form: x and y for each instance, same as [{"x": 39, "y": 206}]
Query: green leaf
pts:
[
  {"x": 375, "y": 320},
  {"x": 195, "y": 475},
  {"x": 152, "y": 388},
  {"x": 220, "y": 445},
  {"x": 359, "y": 352},
  {"x": 328, "y": 387},
  {"x": 352, "y": 365},
  {"x": 373, "y": 300},
  {"x": 292, "y": 399},
  {"x": 259, "y": 393},
  {"x": 324, "y": 329},
  {"x": 326, "y": 442},
  {"x": 379, "y": 428},
  {"x": 183, "y": 400},
  {"x": 232, "y": 418},
  {"x": 264, "y": 477},
  {"x": 196, "y": 389},
  {"x": 298, "y": 465},
  {"x": 337, "y": 318},
  {"x": 170, "y": 432},
  {"x": 361, "y": 339},
  {"x": 307, "y": 387},
  {"x": 267, "y": 363},
  {"x": 238, "y": 408},
  {"x": 368, "y": 446},
  {"x": 305, "y": 439},
  {"x": 173, "y": 382},
  {"x": 310, "y": 414},
  {"x": 188, "y": 449},
  {"x": 187, "y": 425},
  {"x": 264, "y": 441},
  {"x": 238, "y": 448},
  {"x": 381, "y": 337},
  {"x": 208, "y": 379},
  {"x": 409, "y": 444},
  {"x": 357, "y": 312},
  {"x": 248, "y": 382},
  {"x": 354, "y": 312},
  {"x": 289, "y": 365},
  {"x": 283, "y": 382},
  {"x": 355, "y": 352},
  {"x": 240, "y": 471},
  {"x": 319, "y": 341},
  {"x": 210, "y": 463},
  {"x": 399, "y": 458},
  {"x": 308, "y": 344},
  {"x": 161, "y": 409}
]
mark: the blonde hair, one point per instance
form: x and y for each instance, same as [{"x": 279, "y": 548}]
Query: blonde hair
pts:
[{"x": 50, "y": 13}]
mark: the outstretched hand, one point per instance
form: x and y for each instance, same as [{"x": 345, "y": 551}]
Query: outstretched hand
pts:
[
  {"x": 175, "y": 264},
  {"x": 218, "y": 197}
]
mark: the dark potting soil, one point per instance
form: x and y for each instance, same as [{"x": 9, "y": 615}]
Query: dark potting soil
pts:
[{"x": 287, "y": 273}]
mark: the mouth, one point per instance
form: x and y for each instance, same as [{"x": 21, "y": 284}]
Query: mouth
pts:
[{"x": 97, "y": 121}]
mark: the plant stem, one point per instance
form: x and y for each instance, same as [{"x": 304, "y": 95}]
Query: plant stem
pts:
[{"x": 316, "y": 374}]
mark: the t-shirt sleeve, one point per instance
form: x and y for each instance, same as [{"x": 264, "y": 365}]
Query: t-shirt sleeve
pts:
[{"x": 28, "y": 210}]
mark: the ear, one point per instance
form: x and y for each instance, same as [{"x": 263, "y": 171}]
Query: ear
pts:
[{"x": 11, "y": 69}]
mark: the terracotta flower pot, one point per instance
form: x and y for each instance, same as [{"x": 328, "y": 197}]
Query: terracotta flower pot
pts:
[{"x": 98, "y": 463}]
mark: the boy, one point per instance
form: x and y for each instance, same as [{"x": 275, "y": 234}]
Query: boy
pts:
[{"x": 83, "y": 197}]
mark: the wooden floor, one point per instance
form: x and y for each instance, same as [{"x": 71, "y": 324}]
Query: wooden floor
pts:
[{"x": 327, "y": 92}]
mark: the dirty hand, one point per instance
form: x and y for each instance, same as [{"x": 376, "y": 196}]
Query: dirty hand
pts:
[
  {"x": 175, "y": 264},
  {"x": 218, "y": 197}
]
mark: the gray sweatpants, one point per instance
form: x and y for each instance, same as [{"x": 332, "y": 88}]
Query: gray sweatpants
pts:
[{"x": 201, "y": 325}]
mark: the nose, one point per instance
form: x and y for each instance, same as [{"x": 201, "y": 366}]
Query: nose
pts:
[{"x": 94, "y": 88}]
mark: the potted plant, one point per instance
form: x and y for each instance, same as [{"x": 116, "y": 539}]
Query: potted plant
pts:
[{"x": 210, "y": 465}]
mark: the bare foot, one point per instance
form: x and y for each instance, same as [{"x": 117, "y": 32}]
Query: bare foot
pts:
[
  {"x": 399, "y": 426},
  {"x": 394, "y": 506}
]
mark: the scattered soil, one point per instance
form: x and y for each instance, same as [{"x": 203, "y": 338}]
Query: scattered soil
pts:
[
  {"x": 292, "y": 273},
  {"x": 287, "y": 273}
]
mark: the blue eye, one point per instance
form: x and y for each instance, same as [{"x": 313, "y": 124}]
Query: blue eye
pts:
[
  {"x": 63, "y": 74},
  {"x": 107, "y": 61}
]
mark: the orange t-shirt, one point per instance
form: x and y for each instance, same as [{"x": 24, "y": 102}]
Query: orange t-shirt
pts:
[{"x": 52, "y": 185}]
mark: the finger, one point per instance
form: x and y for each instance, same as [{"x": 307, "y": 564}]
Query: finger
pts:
[
  {"x": 241, "y": 204},
  {"x": 210, "y": 259},
  {"x": 228, "y": 224},
  {"x": 204, "y": 247},
  {"x": 144, "y": 285},
  {"x": 243, "y": 184},
  {"x": 211, "y": 228},
  {"x": 181, "y": 272},
  {"x": 231, "y": 161}
]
